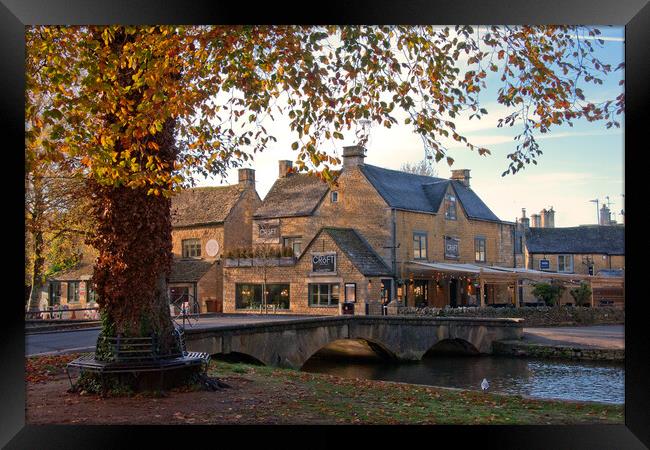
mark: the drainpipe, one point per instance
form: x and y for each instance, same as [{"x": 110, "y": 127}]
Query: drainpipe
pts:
[{"x": 394, "y": 252}]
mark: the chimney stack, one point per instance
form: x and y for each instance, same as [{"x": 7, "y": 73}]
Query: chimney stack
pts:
[
  {"x": 524, "y": 221},
  {"x": 247, "y": 177},
  {"x": 461, "y": 175},
  {"x": 548, "y": 218},
  {"x": 536, "y": 223},
  {"x": 284, "y": 166},
  {"x": 353, "y": 155},
  {"x": 605, "y": 216}
]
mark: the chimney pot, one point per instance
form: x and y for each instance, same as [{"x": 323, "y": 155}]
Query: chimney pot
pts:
[
  {"x": 353, "y": 155},
  {"x": 461, "y": 175},
  {"x": 283, "y": 168}
]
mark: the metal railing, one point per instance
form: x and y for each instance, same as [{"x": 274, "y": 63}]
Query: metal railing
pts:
[
  {"x": 62, "y": 312},
  {"x": 184, "y": 308}
]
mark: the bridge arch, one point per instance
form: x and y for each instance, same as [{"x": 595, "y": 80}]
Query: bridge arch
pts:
[
  {"x": 362, "y": 348},
  {"x": 452, "y": 346}
]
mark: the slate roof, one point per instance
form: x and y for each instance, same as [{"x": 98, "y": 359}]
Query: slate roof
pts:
[
  {"x": 297, "y": 194},
  {"x": 412, "y": 192},
  {"x": 599, "y": 239},
  {"x": 82, "y": 272},
  {"x": 189, "y": 270},
  {"x": 358, "y": 251},
  {"x": 204, "y": 205}
]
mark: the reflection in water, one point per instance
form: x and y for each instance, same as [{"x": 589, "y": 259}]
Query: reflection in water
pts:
[{"x": 567, "y": 380}]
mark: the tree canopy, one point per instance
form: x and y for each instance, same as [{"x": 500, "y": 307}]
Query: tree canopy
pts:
[{"x": 219, "y": 84}]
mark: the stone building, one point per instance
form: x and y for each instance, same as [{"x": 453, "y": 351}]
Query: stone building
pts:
[
  {"x": 207, "y": 222},
  {"x": 587, "y": 250},
  {"x": 405, "y": 219}
]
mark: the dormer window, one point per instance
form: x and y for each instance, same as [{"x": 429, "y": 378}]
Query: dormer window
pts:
[
  {"x": 191, "y": 248},
  {"x": 450, "y": 207},
  {"x": 334, "y": 196}
]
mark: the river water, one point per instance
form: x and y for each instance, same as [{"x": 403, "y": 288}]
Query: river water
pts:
[{"x": 544, "y": 379}]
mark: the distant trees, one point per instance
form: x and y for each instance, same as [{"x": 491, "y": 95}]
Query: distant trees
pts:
[{"x": 423, "y": 167}]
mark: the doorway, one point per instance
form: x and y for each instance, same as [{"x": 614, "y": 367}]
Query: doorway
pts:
[{"x": 453, "y": 293}]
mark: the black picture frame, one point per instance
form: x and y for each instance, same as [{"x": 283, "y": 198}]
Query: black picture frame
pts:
[{"x": 633, "y": 14}]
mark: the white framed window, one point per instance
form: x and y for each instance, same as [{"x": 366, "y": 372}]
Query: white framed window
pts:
[
  {"x": 419, "y": 245},
  {"x": 479, "y": 249},
  {"x": 565, "y": 263},
  {"x": 324, "y": 294},
  {"x": 191, "y": 248},
  {"x": 294, "y": 243},
  {"x": 450, "y": 207}
]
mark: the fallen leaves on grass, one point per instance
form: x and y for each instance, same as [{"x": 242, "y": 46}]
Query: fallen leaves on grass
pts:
[{"x": 39, "y": 369}]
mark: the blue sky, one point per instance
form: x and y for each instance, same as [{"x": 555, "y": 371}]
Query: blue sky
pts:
[{"x": 580, "y": 163}]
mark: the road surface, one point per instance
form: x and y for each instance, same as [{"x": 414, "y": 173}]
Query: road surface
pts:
[
  {"x": 595, "y": 336},
  {"x": 85, "y": 339}
]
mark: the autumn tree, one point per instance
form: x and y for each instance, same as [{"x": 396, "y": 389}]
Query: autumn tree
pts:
[
  {"x": 145, "y": 110},
  {"x": 56, "y": 222}
]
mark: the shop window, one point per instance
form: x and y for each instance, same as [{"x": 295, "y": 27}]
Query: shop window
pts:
[
  {"x": 191, "y": 248},
  {"x": 92, "y": 295},
  {"x": 450, "y": 207},
  {"x": 350, "y": 292},
  {"x": 249, "y": 296},
  {"x": 565, "y": 263},
  {"x": 55, "y": 293},
  {"x": 479, "y": 249},
  {"x": 294, "y": 243},
  {"x": 73, "y": 292},
  {"x": 324, "y": 294},
  {"x": 419, "y": 245},
  {"x": 420, "y": 292}
]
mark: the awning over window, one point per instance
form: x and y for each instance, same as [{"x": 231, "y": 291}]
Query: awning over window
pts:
[{"x": 494, "y": 273}]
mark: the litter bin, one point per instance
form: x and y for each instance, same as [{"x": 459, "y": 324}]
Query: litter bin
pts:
[{"x": 347, "y": 309}]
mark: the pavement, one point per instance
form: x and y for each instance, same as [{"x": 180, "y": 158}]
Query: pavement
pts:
[
  {"x": 84, "y": 340},
  {"x": 594, "y": 336}
]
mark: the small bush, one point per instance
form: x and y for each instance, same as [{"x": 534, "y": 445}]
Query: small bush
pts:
[
  {"x": 549, "y": 293},
  {"x": 582, "y": 295}
]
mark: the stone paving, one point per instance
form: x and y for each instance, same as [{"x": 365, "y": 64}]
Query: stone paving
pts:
[{"x": 595, "y": 336}]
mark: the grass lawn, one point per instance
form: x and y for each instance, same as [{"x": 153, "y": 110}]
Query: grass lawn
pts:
[{"x": 268, "y": 395}]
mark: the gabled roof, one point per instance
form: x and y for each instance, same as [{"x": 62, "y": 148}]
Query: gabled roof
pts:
[
  {"x": 358, "y": 251},
  {"x": 412, "y": 192},
  {"x": 598, "y": 239},
  {"x": 81, "y": 272},
  {"x": 204, "y": 205},
  {"x": 189, "y": 270},
  {"x": 297, "y": 194}
]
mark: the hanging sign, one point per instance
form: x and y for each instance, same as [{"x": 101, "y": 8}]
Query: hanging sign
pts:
[
  {"x": 323, "y": 262},
  {"x": 268, "y": 232},
  {"x": 212, "y": 247},
  {"x": 452, "y": 246},
  {"x": 544, "y": 264}
]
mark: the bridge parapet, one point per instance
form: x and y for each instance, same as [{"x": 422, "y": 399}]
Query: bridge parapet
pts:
[{"x": 292, "y": 343}]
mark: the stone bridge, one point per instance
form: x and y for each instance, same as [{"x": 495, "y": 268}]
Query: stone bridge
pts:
[{"x": 292, "y": 343}]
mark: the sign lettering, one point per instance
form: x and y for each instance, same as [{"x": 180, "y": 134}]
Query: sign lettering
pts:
[
  {"x": 323, "y": 262},
  {"x": 544, "y": 264},
  {"x": 452, "y": 247}
]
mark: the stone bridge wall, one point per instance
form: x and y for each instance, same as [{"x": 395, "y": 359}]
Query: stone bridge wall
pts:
[{"x": 291, "y": 344}]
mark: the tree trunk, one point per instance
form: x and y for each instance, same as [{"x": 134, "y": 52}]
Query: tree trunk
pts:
[
  {"x": 38, "y": 242},
  {"x": 133, "y": 238},
  {"x": 37, "y": 271}
]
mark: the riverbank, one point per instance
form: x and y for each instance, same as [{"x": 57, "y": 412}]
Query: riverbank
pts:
[
  {"x": 267, "y": 395},
  {"x": 532, "y": 350}
]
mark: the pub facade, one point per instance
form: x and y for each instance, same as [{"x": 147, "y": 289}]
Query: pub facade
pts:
[{"x": 397, "y": 222}]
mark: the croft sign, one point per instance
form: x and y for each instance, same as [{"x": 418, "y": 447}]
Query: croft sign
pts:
[{"x": 323, "y": 262}]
